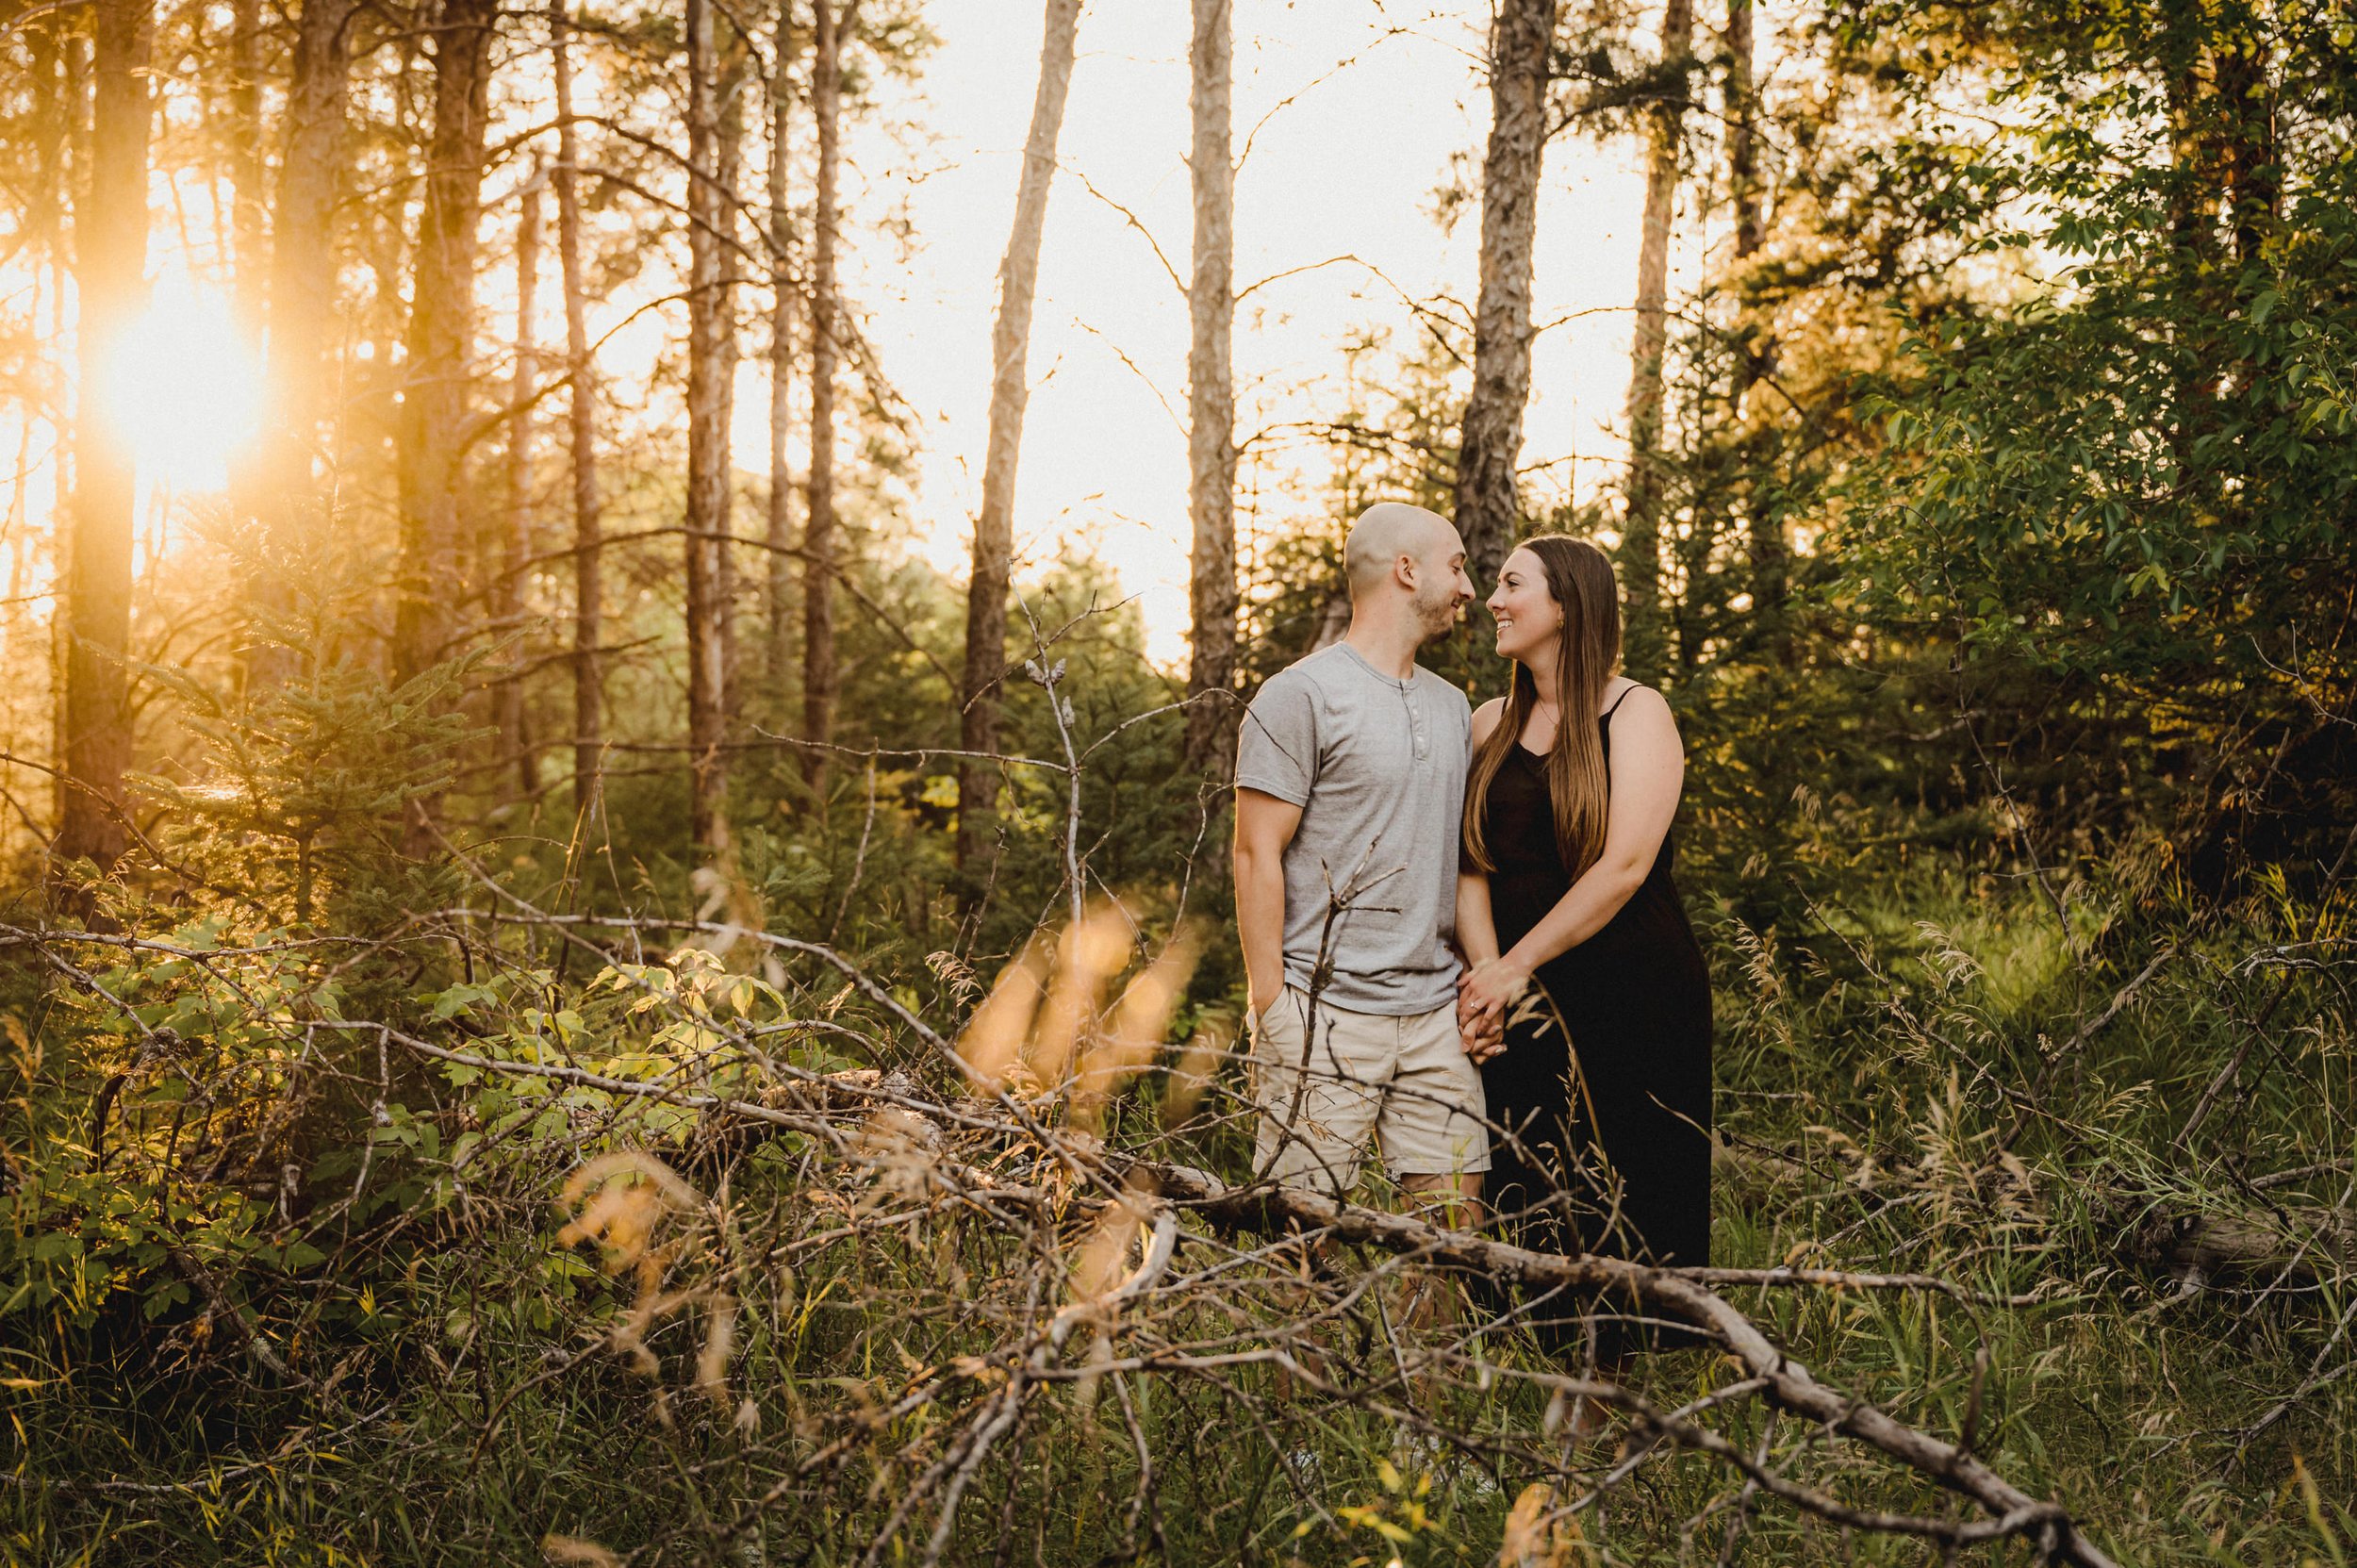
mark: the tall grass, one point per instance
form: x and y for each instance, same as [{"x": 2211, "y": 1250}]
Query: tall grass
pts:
[{"x": 1906, "y": 1084}]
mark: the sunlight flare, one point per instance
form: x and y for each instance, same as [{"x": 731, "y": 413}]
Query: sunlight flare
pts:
[{"x": 188, "y": 386}]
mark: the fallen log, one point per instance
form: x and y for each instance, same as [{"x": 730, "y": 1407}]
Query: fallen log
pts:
[{"x": 2300, "y": 1246}]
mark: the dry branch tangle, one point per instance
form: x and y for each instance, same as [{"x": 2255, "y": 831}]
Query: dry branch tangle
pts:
[
  {"x": 1788, "y": 1383},
  {"x": 827, "y": 1107}
]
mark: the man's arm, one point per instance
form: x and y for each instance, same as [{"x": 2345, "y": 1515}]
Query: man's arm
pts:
[{"x": 1264, "y": 825}]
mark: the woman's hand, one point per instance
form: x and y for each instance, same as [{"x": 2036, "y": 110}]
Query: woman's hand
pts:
[{"x": 1485, "y": 993}]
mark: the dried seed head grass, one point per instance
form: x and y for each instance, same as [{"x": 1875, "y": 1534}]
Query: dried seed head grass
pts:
[
  {"x": 626, "y": 1218},
  {"x": 1119, "y": 1053},
  {"x": 1540, "y": 1534},
  {"x": 994, "y": 1037},
  {"x": 1199, "y": 1062},
  {"x": 571, "y": 1551},
  {"x": 1089, "y": 954}
]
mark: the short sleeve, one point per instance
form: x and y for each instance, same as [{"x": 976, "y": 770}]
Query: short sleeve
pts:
[{"x": 1277, "y": 751}]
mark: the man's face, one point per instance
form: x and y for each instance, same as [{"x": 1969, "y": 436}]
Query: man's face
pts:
[{"x": 1443, "y": 589}]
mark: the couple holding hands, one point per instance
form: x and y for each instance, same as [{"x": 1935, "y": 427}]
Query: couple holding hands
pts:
[{"x": 1461, "y": 935}]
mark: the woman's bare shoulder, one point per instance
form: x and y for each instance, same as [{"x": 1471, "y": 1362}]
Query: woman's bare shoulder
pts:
[
  {"x": 1642, "y": 714},
  {"x": 1625, "y": 695},
  {"x": 1485, "y": 718}
]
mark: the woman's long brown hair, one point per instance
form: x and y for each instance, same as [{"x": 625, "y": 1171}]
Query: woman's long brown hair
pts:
[{"x": 1580, "y": 578}]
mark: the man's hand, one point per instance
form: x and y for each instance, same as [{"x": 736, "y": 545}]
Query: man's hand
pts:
[{"x": 1482, "y": 1040}]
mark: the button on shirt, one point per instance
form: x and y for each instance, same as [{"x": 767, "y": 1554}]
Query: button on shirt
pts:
[{"x": 1377, "y": 766}]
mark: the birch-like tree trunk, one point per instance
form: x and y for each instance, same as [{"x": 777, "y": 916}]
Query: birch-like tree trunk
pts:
[
  {"x": 778, "y": 647},
  {"x": 818, "y": 526},
  {"x": 1009, "y": 391},
  {"x": 588, "y": 706},
  {"x": 707, "y": 439},
  {"x": 441, "y": 332},
  {"x": 1212, "y": 398},
  {"x": 110, "y": 252},
  {"x": 507, "y": 598},
  {"x": 728, "y": 219},
  {"x": 1640, "y": 531},
  {"x": 1522, "y": 34}
]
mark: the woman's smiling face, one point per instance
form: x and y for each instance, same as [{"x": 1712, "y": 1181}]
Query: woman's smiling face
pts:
[{"x": 1528, "y": 614}]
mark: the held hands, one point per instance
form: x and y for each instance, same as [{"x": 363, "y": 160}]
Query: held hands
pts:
[{"x": 1483, "y": 995}]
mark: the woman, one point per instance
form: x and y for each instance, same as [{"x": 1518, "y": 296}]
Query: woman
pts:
[{"x": 1572, "y": 925}]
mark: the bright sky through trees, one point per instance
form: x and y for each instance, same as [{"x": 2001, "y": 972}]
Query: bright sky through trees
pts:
[
  {"x": 1342, "y": 162},
  {"x": 1350, "y": 120}
]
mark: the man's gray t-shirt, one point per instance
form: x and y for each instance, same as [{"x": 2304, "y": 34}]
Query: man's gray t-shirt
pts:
[{"x": 1378, "y": 768}]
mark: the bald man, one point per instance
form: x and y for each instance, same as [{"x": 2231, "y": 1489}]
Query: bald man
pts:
[{"x": 1350, "y": 779}]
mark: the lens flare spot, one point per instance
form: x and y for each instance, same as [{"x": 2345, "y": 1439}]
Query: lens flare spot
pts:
[{"x": 188, "y": 386}]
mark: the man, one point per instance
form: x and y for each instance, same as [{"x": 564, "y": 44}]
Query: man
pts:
[{"x": 1350, "y": 779}]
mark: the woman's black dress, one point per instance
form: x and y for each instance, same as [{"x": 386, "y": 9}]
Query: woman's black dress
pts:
[{"x": 1630, "y": 1146}]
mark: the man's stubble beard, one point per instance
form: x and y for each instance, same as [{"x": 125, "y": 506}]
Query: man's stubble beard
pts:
[{"x": 1437, "y": 616}]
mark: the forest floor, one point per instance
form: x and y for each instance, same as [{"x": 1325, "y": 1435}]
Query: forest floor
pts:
[{"x": 1977, "y": 1085}]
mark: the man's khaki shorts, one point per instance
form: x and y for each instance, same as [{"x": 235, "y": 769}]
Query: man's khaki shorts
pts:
[{"x": 1405, "y": 1081}]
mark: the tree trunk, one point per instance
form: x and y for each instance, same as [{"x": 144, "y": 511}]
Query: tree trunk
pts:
[
  {"x": 1009, "y": 391},
  {"x": 2253, "y": 174},
  {"x": 1641, "y": 531},
  {"x": 441, "y": 328},
  {"x": 707, "y": 439},
  {"x": 508, "y": 599},
  {"x": 110, "y": 253},
  {"x": 247, "y": 198},
  {"x": 1521, "y": 36},
  {"x": 588, "y": 710},
  {"x": 818, "y": 542},
  {"x": 302, "y": 303},
  {"x": 727, "y": 168},
  {"x": 1211, "y": 402},
  {"x": 1770, "y": 554},
  {"x": 778, "y": 652}
]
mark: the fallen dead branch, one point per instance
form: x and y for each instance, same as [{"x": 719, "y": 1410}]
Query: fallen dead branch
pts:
[
  {"x": 2295, "y": 1247},
  {"x": 1686, "y": 1295},
  {"x": 1062, "y": 1214}
]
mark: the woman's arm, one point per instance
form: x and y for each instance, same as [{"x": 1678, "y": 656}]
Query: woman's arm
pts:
[
  {"x": 1476, "y": 932},
  {"x": 1477, "y": 937},
  {"x": 1648, "y": 771},
  {"x": 1476, "y": 928}
]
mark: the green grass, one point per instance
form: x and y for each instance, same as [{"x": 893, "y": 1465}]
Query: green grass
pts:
[{"x": 1893, "y": 1058}]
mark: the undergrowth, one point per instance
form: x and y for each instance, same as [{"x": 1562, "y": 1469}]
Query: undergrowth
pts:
[{"x": 299, "y": 1294}]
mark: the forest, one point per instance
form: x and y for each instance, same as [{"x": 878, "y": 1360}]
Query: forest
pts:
[{"x": 595, "y": 974}]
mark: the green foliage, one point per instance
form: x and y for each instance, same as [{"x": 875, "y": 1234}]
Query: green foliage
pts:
[
  {"x": 300, "y": 797},
  {"x": 2139, "y": 478}
]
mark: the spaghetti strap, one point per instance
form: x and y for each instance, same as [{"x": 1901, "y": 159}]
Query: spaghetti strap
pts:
[{"x": 1606, "y": 716}]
